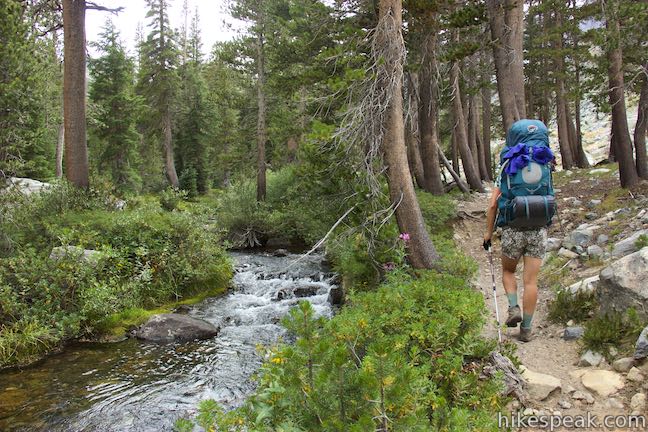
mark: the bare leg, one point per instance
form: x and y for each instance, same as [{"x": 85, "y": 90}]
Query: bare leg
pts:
[
  {"x": 508, "y": 274},
  {"x": 531, "y": 269}
]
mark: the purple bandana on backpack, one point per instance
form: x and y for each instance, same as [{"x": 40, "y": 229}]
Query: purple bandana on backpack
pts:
[{"x": 519, "y": 157}]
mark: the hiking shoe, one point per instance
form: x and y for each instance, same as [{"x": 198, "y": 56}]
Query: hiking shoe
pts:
[
  {"x": 525, "y": 334},
  {"x": 514, "y": 316}
]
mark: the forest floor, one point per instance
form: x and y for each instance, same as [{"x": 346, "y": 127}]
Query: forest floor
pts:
[{"x": 547, "y": 353}]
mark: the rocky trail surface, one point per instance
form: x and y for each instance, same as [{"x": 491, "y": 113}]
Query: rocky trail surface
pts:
[{"x": 560, "y": 379}]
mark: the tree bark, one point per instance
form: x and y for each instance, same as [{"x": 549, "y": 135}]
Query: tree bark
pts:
[
  {"x": 428, "y": 114},
  {"x": 622, "y": 141},
  {"x": 261, "y": 118},
  {"x": 462, "y": 185},
  {"x": 60, "y": 143},
  {"x": 564, "y": 142},
  {"x": 470, "y": 171},
  {"x": 486, "y": 120},
  {"x": 472, "y": 135},
  {"x": 414, "y": 156},
  {"x": 74, "y": 93},
  {"x": 641, "y": 127},
  {"x": 421, "y": 251},
  {"x": 167, "y": 123},
  {"x": 481, "y": 151},
  {"x": 507, "y": 26}
]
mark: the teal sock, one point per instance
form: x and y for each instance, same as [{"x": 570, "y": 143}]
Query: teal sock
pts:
[
  {"x": 526, "y": 320},
  {"x": 512, "y": 298}
]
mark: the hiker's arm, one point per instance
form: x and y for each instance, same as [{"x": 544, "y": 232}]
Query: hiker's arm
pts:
[{"x": 490, "y": 213}]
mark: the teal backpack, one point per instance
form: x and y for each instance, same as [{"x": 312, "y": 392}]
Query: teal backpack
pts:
[{"x": 527, "y": 200}]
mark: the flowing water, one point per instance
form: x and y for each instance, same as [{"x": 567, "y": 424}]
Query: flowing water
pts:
[{"x": 140, "y": 386}]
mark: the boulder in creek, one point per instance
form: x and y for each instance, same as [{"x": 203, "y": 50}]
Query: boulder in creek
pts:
[
  {"x": 336, "y": 295},
  {"x": 623, "y": 285},
  {"x": 306, "y": 290},
  {"x": 628, "y": 245},
  {"x": 173, "y": 327}
]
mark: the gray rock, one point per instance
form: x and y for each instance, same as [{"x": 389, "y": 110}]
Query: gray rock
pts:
[
  {"x": 573, "y": 333},
  {"x": 623, "y": 285},
  {"x": 564, "y": 404},
  {"x": 566, "y": 253},
  {"x": 638, "y": 402},
  {"x": 306, "y": 290},
  {"x": 175, "y": 327},
  {"x": 25, "y": 186},
  {"x": 602, "y": 239},
  {"x": 595, "y": 251},
  {"x": 641, "y": 347},
  {"x": 280, "y": 253},
  {"x": 583, "y": 396},
  {"x": 582, "y": 236},
  {"x": 623, "y": 364},
  {"x": 635, "y": 375},
  {"x": 586, "y": 285},
  {"x": 336, "y": 296},
  {"x": 628, "y": 245},
  {"x": 590, "y": 358},
  {"x": 87, "y": 256},
  {"x": 603, "y": 382},
  {"x": 591, "y": 216},
  {"x": 553, "y": 244},
  {"x": 539, "y": 385},
  {"x": 599, "y": 171},
  {"x": 593, "y": 203}
]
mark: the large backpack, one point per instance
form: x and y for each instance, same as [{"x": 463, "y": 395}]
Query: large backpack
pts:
[{"x": 527, "y": 199}]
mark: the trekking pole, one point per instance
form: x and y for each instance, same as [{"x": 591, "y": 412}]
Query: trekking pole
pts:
[{"x": 492, "y": 269}]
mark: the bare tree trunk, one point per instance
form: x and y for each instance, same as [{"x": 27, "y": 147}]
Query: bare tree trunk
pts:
[
  {"x": 261, "y": 118},
  {"x": 581, "y": 157},
  {"x": 486, "y": 118},
  {"x": 470, "y": 171},
  {"x": 507, "y": 26},
  {"x": 74, "y": 93},
  {"x": 454, "y": 154},
  {"x": 481, "y": 151},
  {"x": 622, "y": 141},
  {"x": 472, "y": 135},
  {"x": 566, "y": 148},
  {"x": 462, "y": 185},
  {"x": 428, "y": 114},
  {"x": 167, "y": 123},
  {"x": 60, "y": 143},
  {"x": 414, "y": 156},
  {"x": 421, "y": 251},
  {"x": 641, "y": 128}
]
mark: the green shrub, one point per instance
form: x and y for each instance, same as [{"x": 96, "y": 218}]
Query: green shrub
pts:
[
  {"x": 642, "y": 241},
  {"x": 438, "y": 212},
  {"x": 569, "y": 306},
  {"x": 618, "y": 330},
  {"x": 171, "y": 197},
  {"x": 410, "y": 351}
]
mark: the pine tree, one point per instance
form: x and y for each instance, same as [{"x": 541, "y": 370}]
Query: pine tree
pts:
[
  {"x": 159, "y": 79},
  {"x": 112, "y": 91}
]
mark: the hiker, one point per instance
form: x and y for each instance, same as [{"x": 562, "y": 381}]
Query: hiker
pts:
[{"x": 523, "y": 204}]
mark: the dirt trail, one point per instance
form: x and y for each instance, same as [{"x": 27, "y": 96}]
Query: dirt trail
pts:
[{"x": 547, "y": 353}]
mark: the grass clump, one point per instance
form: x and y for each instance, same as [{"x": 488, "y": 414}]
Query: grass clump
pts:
[
  {"x": 577, "y": 306},
  {"x": 615, "y": 329}
]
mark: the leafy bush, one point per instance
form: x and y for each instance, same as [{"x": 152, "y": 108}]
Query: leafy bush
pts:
[
  {"x": 410, "y": 352},
  {"x": 171, "y": 197},
  {"x": 619, "y": 330},
  {"x": 438, "y": 212},
  {"x": 147, "y": 257},
  {"x": 569, "y": 306}
]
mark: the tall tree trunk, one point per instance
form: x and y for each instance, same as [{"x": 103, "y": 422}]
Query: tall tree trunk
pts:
[
  {"x": 507, "y": 27},
  {"x": 472, "y": 135},
  {"x": 562, "y": 113},
  {"x": 641, "y": 128},
  {"x": 167, "y": 123},
  {"x": 454, "y": 153},
  {"x": 261, "y": 118},
  {"x": 470, "y": 171},
  {"x": 481, "y": 151},
  {"x": 486, "y": 117},
  {"x": 60, "y": 143},
  {"x": 581, "y": 157},
  {"x": 74, "y": 93},
  {"x": 622, "y": 141},
  {"x": 428, "y": 113},
  {"x": 421, "y": 251},
  {"x": 414, "y": 156}
]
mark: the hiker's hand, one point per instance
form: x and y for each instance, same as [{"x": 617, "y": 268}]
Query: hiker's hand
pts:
[{"x": 487, "y": 244}]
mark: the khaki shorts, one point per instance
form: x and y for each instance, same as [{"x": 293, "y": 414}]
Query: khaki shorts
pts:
[{"x": 517, "y": 242}]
